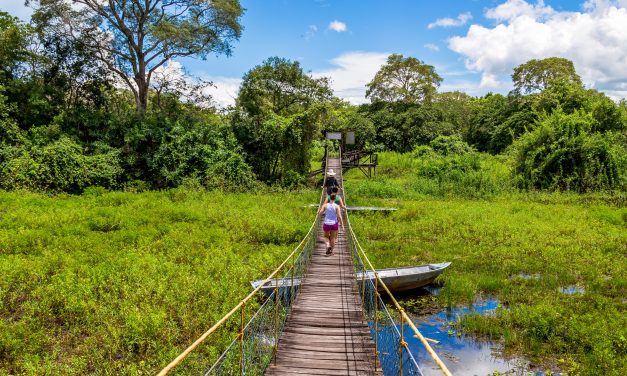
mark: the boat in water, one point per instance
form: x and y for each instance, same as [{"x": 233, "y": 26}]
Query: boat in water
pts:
[{"x": 396, "y": 279}]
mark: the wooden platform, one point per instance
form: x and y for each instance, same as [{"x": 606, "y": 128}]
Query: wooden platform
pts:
[{"x": 325, "y": 333}]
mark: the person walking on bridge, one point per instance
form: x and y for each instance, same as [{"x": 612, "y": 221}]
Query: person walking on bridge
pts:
[
  {"x": 332, "y": 221},
  {"x": 338, "y": 198},
  {"x": 330, "y": 182}
]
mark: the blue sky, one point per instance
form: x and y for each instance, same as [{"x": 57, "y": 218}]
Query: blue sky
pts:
[{"x": 473, "y": 44}]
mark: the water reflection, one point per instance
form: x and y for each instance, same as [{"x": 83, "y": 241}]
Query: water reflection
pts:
[
  {"x": 462, "y": 354},
  {"x": 572, "y": 290}
]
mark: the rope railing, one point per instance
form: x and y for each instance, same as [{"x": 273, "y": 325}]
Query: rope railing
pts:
[
  {"x": 255, "y": 345},
  {"x": 386, "y": 335}
]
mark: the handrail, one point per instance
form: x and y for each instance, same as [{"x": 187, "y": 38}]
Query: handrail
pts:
[
  {"x": 242, "y": 303},
  {"x": 404, "y": 316},
  {"x": 186, "y": 352}
]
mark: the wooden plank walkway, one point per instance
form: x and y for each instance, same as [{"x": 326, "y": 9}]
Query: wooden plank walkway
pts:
[{"x": 325, "y": 333}]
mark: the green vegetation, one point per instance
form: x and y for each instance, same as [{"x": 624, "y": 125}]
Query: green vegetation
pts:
[
  {"x": 519, "y": 246},
  {"x": 120, "y": 283},
  {"x": 524, "y": 192}
]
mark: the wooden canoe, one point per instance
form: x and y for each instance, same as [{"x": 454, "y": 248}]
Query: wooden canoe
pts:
[{"x": 396, "y": 279}]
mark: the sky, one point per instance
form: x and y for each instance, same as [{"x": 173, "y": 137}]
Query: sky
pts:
[{"x": 474, "y": 44}]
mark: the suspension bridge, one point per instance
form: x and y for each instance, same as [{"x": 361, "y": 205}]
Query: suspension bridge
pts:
[{"x": 324, "y": 317}]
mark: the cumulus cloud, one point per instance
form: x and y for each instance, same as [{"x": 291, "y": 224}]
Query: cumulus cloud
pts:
[
  {"x": 351, "y": 72},
  {"x": 513, "y": 9},
  {"x": 337, "y": 26},
  {"x": 224, "y": 90},
  {"x": 432, "y": 47},
  {"x": 594, "y": 39},
  {"x": 461, "y": 20}
]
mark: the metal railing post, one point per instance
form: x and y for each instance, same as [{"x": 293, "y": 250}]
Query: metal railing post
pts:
[
  {"x": 400, "y": 347},
  {"x": 241, "y": 339},
  {"x": 276, "y": 317},
  {"x": 293, "y": 288},
  {"x": 376, "y": 320},
  {"x": 363, "y": 286}
]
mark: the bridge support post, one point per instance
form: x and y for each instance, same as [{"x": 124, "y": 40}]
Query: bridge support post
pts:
[
  {"x": 400, "y": 347},
  {"x": 276, "y": 317},
  {"x": 376, "y": 320},
  {"x": 241, "y": 339},
  {"x": 292, "y": 288}
]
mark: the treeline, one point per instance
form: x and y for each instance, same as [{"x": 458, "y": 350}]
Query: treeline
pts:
[{"x": 70, "y": 120}]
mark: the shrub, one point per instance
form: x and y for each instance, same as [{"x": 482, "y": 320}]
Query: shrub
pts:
[
  {"x": 447, "y": 145},
  {"x": 563, "y": 154},
  {"x": 56, "y": 167}
]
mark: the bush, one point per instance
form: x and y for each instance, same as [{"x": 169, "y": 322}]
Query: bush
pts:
[
  {"x": 447, "y": 145},
  {"x": 201, "y": 152},
  {"x": 59, "y": 166},
  {"x": 563, "y": 154}
]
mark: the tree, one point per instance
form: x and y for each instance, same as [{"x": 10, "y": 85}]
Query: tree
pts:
[
  {"x": 280, "y": 86},
  {"x": 537, "y": 75},
  {"x": 133, "y": 38},
  {"x": 279, "y": 112},
  {"x": 403, "y": 79},
  {"x": 13, "y": 40}
]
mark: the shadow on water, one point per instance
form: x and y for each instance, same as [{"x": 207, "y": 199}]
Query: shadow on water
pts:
[{"x": 462, "y": 354}]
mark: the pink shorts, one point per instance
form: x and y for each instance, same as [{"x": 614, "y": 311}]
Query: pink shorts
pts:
[{"x": 327, "y": 228}]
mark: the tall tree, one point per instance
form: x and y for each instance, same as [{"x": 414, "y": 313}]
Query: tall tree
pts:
[
  {"x": 13, "y": 42},
  {"x": 279, "y": 112},
  {"x": 537, "y": 75},
  {"x": 133, "y": 38},
  {"x": 403, "y": 79}
]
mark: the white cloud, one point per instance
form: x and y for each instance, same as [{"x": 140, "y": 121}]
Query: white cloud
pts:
[
  {"x": 594, "y": 39},
  {"x": 337, "y": 26},
  {"x": 513, "y": 9},
  {"x": 432, "y": 47},
  {"x": 224, "y": 91},
  {"x": 17, "y": 9},
  {"x": 450, "y": 22},
  {"x": 352, "y": 71}
]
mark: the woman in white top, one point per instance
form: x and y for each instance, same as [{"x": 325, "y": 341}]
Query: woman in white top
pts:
[{"x": 332, "y": 220}]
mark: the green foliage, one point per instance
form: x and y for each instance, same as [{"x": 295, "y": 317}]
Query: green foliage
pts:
[
  {"x": 496, "y": 242},
  {"x": 126, "y": 281},
  {"x": 279, "y": 86},
  {"x": 205, "y": 152},
  {"x": 537, "y": 75},
  {"x": 145, "y": 34},
  {"x": 400, "y": 126},
  {"x": 407, "y": 80},
  {"x": 563, "y": 154},
  {"x": 344, "y": 118},
  {"x": 279, "y": 113},
  {"x": 447, "y": 145},
  {"x": 13, "y": 43},
  {"x": 59, "y": 166},
  {"x": 489, "y": 113}
]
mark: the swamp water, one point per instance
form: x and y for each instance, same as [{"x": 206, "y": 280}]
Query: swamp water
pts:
[{"x": 462, "y": 354}]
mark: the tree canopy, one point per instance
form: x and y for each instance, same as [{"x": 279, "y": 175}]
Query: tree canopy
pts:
[
  {"x": 278, "y": 114},
  {"x": 537, "y": 75},
  {"x": 403, "y": 79},
  {"x": 133, "y": 38}
]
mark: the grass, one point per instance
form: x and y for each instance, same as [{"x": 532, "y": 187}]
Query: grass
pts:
[
  {"x": 497, "y": 237},
  {"x": 120, "y": 283}
]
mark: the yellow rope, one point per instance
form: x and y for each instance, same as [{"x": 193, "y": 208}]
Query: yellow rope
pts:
[
  {"x": 406, "y": 318},
  {"x": 218, "y": 324}
]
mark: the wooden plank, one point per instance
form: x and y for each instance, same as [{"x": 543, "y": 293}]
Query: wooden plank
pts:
[{"x": 325, "y": 333}]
